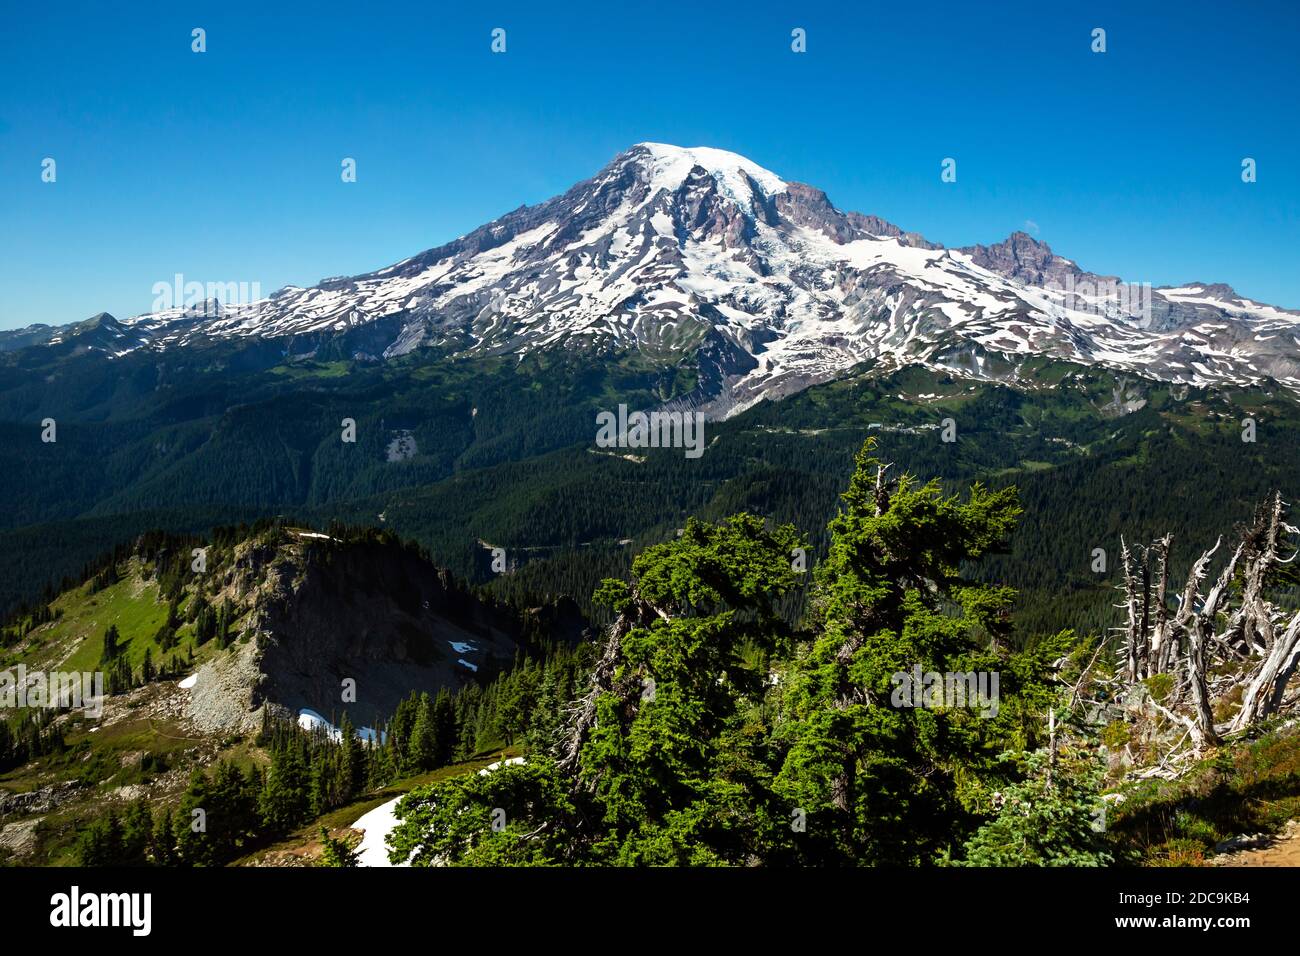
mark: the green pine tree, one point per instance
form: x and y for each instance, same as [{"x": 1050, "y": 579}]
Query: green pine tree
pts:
[
  {"x": 336, "y": 852},
  {"x": 877, "y": 779},
  {"x": 1054, "y": 817},
  {"x": 285, "y": 800},
  {"x": 423, "y": 747},
  {"x": 112, "y": 646}
]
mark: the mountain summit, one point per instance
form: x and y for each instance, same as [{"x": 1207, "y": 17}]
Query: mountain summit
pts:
[{"x": 699, "y": 255}]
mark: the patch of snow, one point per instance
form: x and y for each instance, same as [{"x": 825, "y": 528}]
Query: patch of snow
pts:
[
  {"x": 311, "y": 722},
  {"x": 509, "y": 761},
  {"x": 377, "y": 824}
]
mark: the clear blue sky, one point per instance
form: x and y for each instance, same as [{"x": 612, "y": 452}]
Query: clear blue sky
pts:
[{"x": 224, "y": 166}]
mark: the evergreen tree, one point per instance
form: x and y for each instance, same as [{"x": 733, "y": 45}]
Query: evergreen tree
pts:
[
  {"x": 118, "y": 678},
  {"x": 285, "y": 801},
  {"x": 668, "y": 767},
  {"x": 336, "y": 852},
  {"x": 191, "y": 822},
  {"x": 100, "y": 843},
  {"x": 205, "y": 621},
  {"x": 111, "y": 645},
  {"x": 137, "y": 831},
  {"x": 423, "y": 748},
  {"x": 351, "y": 761},
  {"x": 162, "y": 842},
  {"x": 224, "y": 620},
  {"x": 879, "y": 779},
  {"x": 233, "y": 815},
  {"x": 444, "y": 728},
  {"x": 1055, "y": 817}
]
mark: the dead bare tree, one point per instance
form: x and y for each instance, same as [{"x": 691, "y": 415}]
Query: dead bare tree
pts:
[
  {"x": 1232, "y": 622},
  {"x": 1133, "y": 635},
  {"x": 581, "y": 716},
  {"x": 1160, "y": 644},
  {"x": 1265, "y": 693}
]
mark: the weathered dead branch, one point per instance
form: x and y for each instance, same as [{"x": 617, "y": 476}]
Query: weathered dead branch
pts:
[{"x": 1214, "y": 642}]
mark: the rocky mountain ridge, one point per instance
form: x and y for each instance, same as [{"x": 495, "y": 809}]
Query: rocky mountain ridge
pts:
[{"x": 699, "y": 256}]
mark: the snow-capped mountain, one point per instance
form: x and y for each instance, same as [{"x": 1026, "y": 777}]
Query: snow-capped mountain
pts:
[{"x": 700, "y": 254}]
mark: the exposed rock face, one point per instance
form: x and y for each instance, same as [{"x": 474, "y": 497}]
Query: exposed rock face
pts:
[
  {"x": 43, "y": 800},
  {"x": 1022, "y": 257},
  {"x": 20, "y": 838},
  {"x": 806, "y": 206},
  {"x": 324, "y": 618},
  {"x": 225, "y": 693}
]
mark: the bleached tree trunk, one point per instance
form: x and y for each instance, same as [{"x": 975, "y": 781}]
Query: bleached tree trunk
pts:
[
  {"x": 1131, "y": 636},
  {"x": 1264, "y": 694},
  {"x": 604, "y": 679},
  {"x": 884, "y": 489},
  {"x": 1206, "y": 629},
  {"x": 1202, "y": 727},
  {"x": 1144, "y": 620},
  {"x": 1160, "y": 643},
  {"x": 1200, "y": 638}
]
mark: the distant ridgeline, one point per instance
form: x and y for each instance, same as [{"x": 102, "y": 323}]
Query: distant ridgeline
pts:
[
  {"x": 295, "y": 609},
  {"x": 502, "y": 478}
]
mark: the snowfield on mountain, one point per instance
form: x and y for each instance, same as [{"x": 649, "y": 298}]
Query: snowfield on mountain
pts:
[{"x": 701, "y": 256}]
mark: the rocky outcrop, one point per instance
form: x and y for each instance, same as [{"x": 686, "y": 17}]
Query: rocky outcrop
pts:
[
  {"x": 43, "y": 800},
  {"x": 346, "y": 626},
  {"x": 20, "y": 838},
  {"x": 1022, "y": 257}
]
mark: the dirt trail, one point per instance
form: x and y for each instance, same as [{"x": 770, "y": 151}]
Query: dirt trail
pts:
[
  {"x": 1283, "y": 849},
  {"x": 1283, "y": 853}
]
